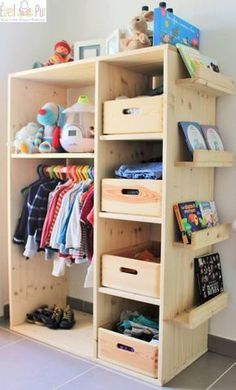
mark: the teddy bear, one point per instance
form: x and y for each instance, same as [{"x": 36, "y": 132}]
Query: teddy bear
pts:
[
  {"x": 139, "y": 30},
  {"x": 51, "y": 117},
  {"x": 25, "y": 139},
  {"x": 62, "y": 51}
]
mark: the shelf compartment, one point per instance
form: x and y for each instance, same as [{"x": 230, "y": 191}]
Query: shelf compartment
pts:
[
  {"x": 53, "y": 156},
  {"x": 196, "y": 316},
  {"x": 129, "y": 352},
  {"x": 208, "y": 159},
  {"x": 138, "y": 197},
  {"x": 205, "y": 80},
  {"x": 128, "y": 217},
  {"x": 135, "y": 115},
  {"x": 206, "y": 237},
  {"x": 120, "y": 270},
  {"x": 132, "y": 137},
  {"x": 128, "y": 295}
]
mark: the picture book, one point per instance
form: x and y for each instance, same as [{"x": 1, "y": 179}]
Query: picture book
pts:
[
  {"x": 208, "y": 275},
  {"x": 193, "y": 135},
  {"x": 212, "y": 137},
  {"x": 183, "y": 233},
  {"x": 169, "y": 28},
  {"x": 191, "y": 218},
  {"x": 209, "y": 213},
  {"x": 192, "y": 58}
]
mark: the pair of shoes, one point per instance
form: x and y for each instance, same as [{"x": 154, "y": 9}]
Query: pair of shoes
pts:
[
  {"x": 37, "y": 316},
  {"x": 63, "y": 319}
]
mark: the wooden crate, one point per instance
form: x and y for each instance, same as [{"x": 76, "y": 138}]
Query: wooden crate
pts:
[
  {"x": 120, "y": 270},
  {"x": 139, "y": 356},
  {"x": 136, "y": 115},
  {"x": 138, "y": 197}
]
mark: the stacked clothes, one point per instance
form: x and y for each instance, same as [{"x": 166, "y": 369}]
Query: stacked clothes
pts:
[
  {"x": 147, "y": 170},
  {"x": 136, "y": 325}
]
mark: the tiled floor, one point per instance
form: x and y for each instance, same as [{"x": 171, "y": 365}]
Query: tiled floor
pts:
[{"x": 26, "y": 365}]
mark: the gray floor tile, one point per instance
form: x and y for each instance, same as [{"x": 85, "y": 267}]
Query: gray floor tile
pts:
[
  {"x": 7, "y": 338},
  {"x": 227, "y": 382},
  {"x": 202, "y": 373},
  {"x": 29, "y": 365},
  {"x": 102, "y": 379}
]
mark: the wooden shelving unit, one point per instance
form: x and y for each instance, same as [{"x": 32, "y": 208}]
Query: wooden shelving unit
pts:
[{"x": 31, "y": 283}]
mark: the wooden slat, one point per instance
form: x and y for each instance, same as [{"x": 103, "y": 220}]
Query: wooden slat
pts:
[
  {"x": 206, "y": 237},
  {"x": 128, "y": 295},
  {"x": 53, "y": 156},
  {"x": 208, "y": 158},
  {"x": 132, "y": 137},
  {"x": 127, "y": 217},
  {"x": 196, "y": 316}
]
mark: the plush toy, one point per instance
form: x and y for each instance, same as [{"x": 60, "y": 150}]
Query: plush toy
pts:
[
  {"x": 24, "y": 139},
  {"x": 139, "y": 30},
  {"x": 51, "y": 117},
  {"x": 62, "y": 54}
]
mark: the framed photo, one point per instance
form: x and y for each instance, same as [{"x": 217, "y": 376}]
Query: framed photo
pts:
[
  {"x": 113, "y": 42},
  {"x": 89, "y": 49},
  {"x": 212, "y": 137}
]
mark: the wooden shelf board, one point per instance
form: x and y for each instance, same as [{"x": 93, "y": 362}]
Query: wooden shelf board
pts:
[
  {"x": 128, "y": 295},
  {"x": 132, "y": 137},
  {"x": 198, "y": 315},
  {"x": 204, "y": 86},
  {"x": 73, "y": 74},
  {"x": 128, "y": 217},
  {"x": 208, "y": 159},
  {"x": 78, "y": 340},
  {"x": 53, "y": 156},
  {"x": 206, "y": 237}
]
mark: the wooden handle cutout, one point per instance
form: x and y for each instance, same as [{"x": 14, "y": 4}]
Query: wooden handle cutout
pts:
[
  {"x": 131, "y": 111},
  {"x": 125, "y": 347},
  {"x": 130, "y": 191},
  {"x": 128, "y": 271}
]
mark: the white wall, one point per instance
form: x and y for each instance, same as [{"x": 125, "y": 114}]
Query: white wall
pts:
[{"x": 79, "y": 20}]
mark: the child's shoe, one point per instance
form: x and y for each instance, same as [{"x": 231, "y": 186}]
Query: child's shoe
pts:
[
  {"x": 53, "y": 322},
  {"x": 68, "y": 320}
]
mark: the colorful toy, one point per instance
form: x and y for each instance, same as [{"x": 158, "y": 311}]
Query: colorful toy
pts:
[
  {"x": 139, "y": 30},
  {"x": 77, "y": 135},
  {"x": 51, "y": 117},
  {"x": 169, "y": 28},
  {"x": 24, "y": 139},
  {"x": 62, "y": 54}
]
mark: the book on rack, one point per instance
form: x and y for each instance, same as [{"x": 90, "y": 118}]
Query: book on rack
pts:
[
  {"x": 192, "y": 58},
  {"x": 189, "y": 219},
  {"x": 208, "y": 274},
  {"x": 212, "y": 137},
  {"x": 209, "y": 213},
  {"x": 193, "y": 136}
]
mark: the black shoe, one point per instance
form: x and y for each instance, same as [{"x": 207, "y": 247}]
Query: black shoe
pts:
[
  {"x": 53, "y": 322},
  {"x": 35, "y": 317},
  {"x": 68, "y": 320}
]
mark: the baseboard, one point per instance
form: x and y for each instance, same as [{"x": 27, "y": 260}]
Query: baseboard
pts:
[
  {"x": 79, "y": 304},
  {"x": 222, "y": 346}
]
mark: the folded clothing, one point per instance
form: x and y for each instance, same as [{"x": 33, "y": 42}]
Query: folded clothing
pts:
[
  {"x": 151, "y": 170},
  {"x": 138, "y": 326}
]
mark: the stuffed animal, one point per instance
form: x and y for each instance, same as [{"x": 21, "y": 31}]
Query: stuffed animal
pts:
[
  {"x": 52, "y": 118},
  {"x": 62, "y": 54},
  {"x": 139, "y": 30},
  {"x": 24, "y": 139}
]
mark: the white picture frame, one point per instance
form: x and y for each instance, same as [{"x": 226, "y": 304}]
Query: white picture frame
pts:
[
  {"x": 113, "y": 41},
  {"x": 89, "y": 49}
]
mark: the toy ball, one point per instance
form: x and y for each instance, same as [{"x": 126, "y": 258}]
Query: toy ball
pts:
[{"x": 45, "y": 147}]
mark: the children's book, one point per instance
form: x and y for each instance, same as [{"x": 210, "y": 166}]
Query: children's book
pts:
[
  {"x": 191, "y": 218},
  {"x": 212, "y": 137},
  {"x": 193, "y": 135},
  {"x": 208, "y": 275},
  {"x": 180, "y": 224},
  {"x": 192, "y": 58},
  {"x": 209, "y": 213}
]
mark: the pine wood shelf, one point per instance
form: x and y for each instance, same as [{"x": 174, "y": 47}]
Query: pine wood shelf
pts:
[
  {"x": 208, "y": 159},
  {"x": 57, "y": 156},
  {"x": 127, "y": 295},
  {"x": 210, "y": 82},
  {"x": 127, "y": 217},
  {"x": 132, "y": 137},
  {"x": 196, "y": 316},
  {"x": 207, "y": 237}
]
